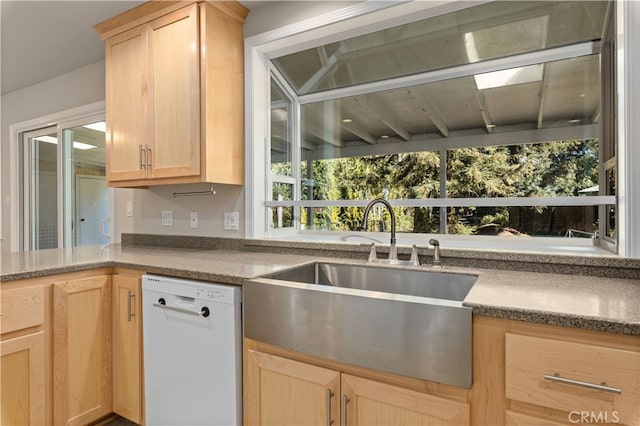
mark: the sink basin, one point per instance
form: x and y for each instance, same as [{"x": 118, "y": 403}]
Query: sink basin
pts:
[
  {"x": 404, "y": 321},
  {"x": 421, "y": 283}
]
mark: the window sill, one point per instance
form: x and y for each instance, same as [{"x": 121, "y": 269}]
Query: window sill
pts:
[{"x": 470, "y": 245}]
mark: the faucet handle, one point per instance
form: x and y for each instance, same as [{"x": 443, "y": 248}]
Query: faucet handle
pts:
[
  {"x": 372, "y": 252},
  {"x": 414, "y": 256}
]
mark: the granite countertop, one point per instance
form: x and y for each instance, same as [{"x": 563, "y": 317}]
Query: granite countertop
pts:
[{"x": 595, "y": 303}]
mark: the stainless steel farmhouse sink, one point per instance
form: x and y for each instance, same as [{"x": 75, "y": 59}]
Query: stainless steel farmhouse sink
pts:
[{"x": 404, "y": 321}]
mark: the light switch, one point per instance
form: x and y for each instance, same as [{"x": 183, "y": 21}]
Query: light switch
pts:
[
  {"x": 231, "y": 221},
  {"x": 193, "y": 222},
  {"x": 167, "y": 217}
]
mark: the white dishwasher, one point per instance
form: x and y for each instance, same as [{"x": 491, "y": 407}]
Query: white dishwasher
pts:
[{"x": 192, "y": 352}]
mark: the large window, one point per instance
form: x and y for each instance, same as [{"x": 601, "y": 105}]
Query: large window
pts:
[{"x": 491, "y": 120}]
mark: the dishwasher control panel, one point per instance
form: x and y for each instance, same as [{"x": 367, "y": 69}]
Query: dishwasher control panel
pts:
[
  {"x": 201, "y": 290},
  {"x": 207, "y": 294}
]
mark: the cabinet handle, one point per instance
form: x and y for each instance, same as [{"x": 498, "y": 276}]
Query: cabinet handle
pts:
[
  {"x": 148, "y": 156},
  {"x": 345, "y": 401},
  {"x": 601, "y": 387},
  {"x": 329, "y": 396},
  {"x": 129, "y": 313},
  {"x": 143, "y": 164}
]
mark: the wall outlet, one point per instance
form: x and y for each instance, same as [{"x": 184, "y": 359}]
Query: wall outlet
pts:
[
  {"x": 193, "y": 221},
  {"x": 129, "y": 208},
  {"x": 231, "y": 221},
  {"x": 167, "y": 217}
]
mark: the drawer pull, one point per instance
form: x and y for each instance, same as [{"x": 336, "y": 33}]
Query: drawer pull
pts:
[{"x": 601, "y": 387}]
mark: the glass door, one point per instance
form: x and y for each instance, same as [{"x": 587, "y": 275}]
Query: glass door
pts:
[
  {"x": 86, "y": 196},
  {"x": 66, "y": 199},
  {"x": 41, "y": 188}
]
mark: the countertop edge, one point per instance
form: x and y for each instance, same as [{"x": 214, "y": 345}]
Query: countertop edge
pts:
[
  {"x": 555, "y": 319},
  {"x": 499, "y": 312}
]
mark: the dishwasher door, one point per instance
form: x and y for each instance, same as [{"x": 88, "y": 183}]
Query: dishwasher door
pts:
[{"x": 192, "y": 352}]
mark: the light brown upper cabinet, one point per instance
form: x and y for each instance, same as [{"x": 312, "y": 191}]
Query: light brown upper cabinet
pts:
[{"x": 174, "y": 93}]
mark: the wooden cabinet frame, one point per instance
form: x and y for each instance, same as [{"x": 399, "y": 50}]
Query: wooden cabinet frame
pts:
[
  {"x": 175, "y": 103},
  {"x": 82, "y": 350}
]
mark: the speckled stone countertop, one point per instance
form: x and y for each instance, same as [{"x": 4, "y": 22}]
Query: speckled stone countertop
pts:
[{"x": 589, "y": 302}]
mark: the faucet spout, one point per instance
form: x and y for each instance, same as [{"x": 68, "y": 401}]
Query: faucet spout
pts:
[
  {"x": 392, "y": 250},
  {"x": 436, "y": 253}
]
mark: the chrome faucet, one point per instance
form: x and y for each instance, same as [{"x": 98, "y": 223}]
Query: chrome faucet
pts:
[{"x": 393, "y": 253}]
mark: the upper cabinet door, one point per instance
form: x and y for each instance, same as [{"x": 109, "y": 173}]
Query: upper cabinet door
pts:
[
  {"x": 127, "y": 105},
  {"x": 175, "y": 94}
]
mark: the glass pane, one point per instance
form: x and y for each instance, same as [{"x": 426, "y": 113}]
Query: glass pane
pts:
[
  {"x": 552, "y": 169},
  {"x": 488, "y": 31},
  {"x": 558, "y": 221},
  {"x": 408, "y": 175},
  {"x": 282, "y": 217},
  {"x": 611, "y": 228},
  {"x": 43, "y": 191},
  {"x": 281, "y": 142},
  {"x": 86, "y": 196},
  {"x": 445, "y": 109},
  {"x": 408, "y": 219},
  {"x": 612, "y": 232}
]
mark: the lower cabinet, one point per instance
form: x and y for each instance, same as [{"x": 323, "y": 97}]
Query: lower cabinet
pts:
[
  {"x": 82, "y": 350},
  {"x": 518, "y": 419},
  {"x": 559, "y": 376},
  {"x": 127, "y": 346},
  {"x": 23, "y": 380},
  {"x": 367, "y": 402},
  {"x": 23, "y": 361},
  {"x": 280, "y": 391},
  {"x": 286, "y": 392}
]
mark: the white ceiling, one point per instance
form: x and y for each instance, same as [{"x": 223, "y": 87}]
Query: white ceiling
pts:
[{"x": 43, "y": 39}]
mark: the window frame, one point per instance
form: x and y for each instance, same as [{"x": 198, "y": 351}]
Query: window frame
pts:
[{"x": 330, "y": 27}]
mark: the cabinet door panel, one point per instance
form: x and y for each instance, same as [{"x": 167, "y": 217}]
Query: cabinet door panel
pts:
[
  {"x": 374, "y": 403},
  {"x": 127, "y": 105},
  {"x": 529, "y": 359},
  {"x": 82, "y": 350},
  {"x": 127, "y": 348},
  {"x": 513, "y": 418},
  {"x": 23, "y": 380},
  {"x": 280, "y": 391},
  {"x": 22, "y": 308},
  {"x": 175, "y": 82}
]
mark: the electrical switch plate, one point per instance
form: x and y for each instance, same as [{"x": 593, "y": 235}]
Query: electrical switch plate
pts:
[
  {"x": 129, "y": 208},
  {"x": 231, "y": 221},
  {"x": 167, "y": 217},
  {"x": 194, "y": 220}
]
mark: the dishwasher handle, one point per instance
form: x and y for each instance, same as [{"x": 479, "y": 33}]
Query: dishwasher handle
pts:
[{"x": 162, "y": 304}]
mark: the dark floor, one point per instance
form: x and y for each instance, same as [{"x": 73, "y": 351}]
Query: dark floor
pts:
[{"x": 116, "y": 421}]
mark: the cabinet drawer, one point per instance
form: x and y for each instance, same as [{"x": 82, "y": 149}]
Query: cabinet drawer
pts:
[
  {"x": 558, "y": 374},
  {"x": 22, "y": 308}
]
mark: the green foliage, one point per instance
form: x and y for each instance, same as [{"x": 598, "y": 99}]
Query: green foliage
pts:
[{"x": 560, "y": 168}]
